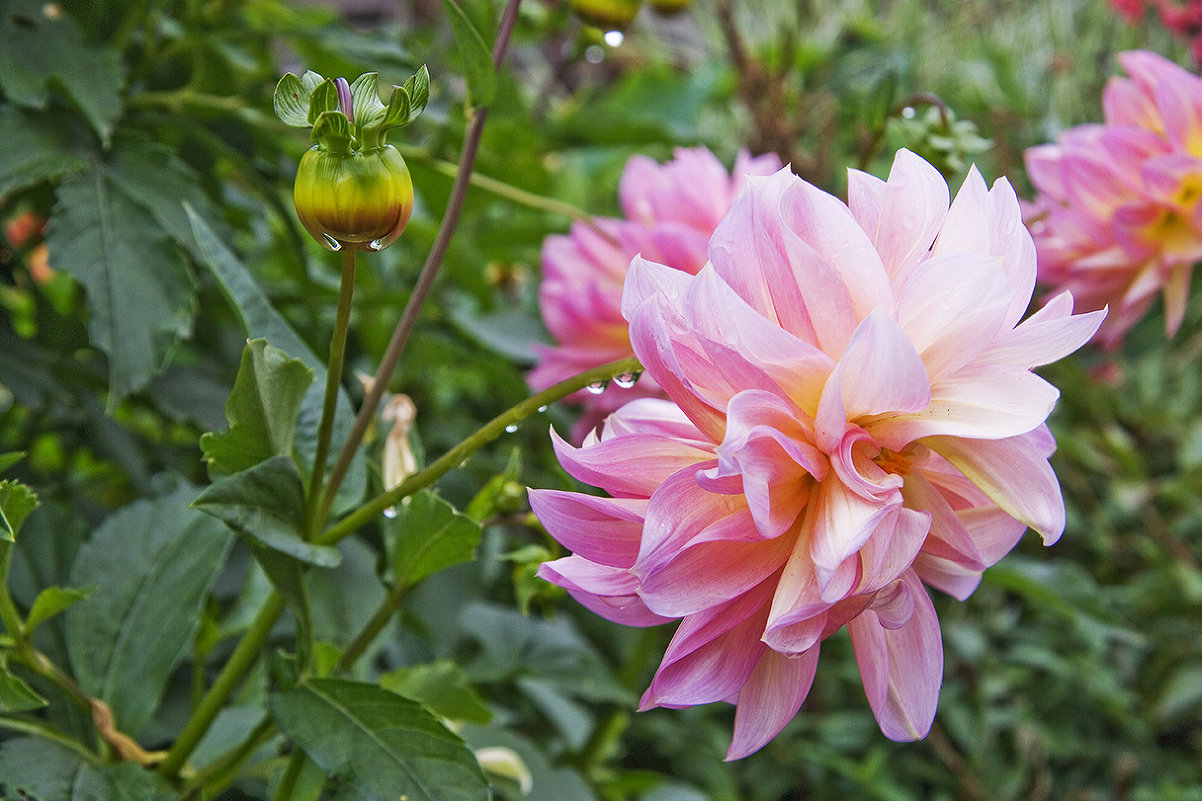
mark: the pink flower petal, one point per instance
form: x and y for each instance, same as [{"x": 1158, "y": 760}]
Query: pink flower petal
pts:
[
  {"x": 604, "y": 530},
  {"x": 1014, "y": 474},
  {"x": 771, "y": 697},
  {"x": 630, "y": 466},
  {"x": 902, "y": 667}
]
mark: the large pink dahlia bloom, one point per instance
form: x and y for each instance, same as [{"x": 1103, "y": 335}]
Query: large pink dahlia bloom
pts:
[
  {"x": 671, "y": 211},
  {"x": 855, "y": 415},
  {"x": 1118, "y": 217}
]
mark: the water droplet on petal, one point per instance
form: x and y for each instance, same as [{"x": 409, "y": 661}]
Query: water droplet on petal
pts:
[
  {"x": 331, "y": 242},
  {"x": 626, "y": 380},
  {"x": 512, "y": 427},
  {"x": 596, "y": 388}
]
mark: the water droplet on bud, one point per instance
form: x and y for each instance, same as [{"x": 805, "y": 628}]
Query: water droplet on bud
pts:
[
  {"x": 375, "y": 245},
  {"x": 596, "y": 388},
  {"x": 331, "y": 242}
]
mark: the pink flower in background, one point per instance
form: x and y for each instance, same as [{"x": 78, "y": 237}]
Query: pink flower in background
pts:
[
  {"x": 671, "y": 210},
  {"x": 1183, "y": 18},
  {"x": 1118, "y": 216},
  {"x": 852, "y": 415}
]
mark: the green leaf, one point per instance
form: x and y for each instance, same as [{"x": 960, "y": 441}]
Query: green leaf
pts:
[
  {"x": 418, "y": 89},
  {"x": 385, "y": 746},
  {"x": 50, "y": 602},
  {"x": 16, "y": 502},
  {"x": 477, "y": 60},
  {"x": 365, "y": 94},
  {"x": 333, "y": 131},
  {"x": 261, "y": 410},
  {"x": 291, "y": 101},
  {"x": 266, "y": 503},
  {"x": 430, "y": 536},
  {"x": 38, "y": 146},
  {"x": 7, "y": 460},
  {"x": 310, "y": 81},
  {"x": 42, "y": 47},
  {"x": 152, "y": 565},
  {"x": 17, "y": 696},
  {"x": 260, "y": 319},
  {"x": 141, "y": 293},
  {"x": 443, "y": 687},
  {"x": 39, "y": 770},
  {"x": 323, "y": 98}
]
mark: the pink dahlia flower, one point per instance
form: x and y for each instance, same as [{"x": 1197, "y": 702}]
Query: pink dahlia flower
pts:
[
  {"x": 671, "y": 210},
  {"x": 855, "y": 415},
  {"x": 1118, "y": 216}
]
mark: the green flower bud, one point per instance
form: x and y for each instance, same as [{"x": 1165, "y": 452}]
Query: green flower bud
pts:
[
  {"x": 670, "y": 7},
  {"x": 353, "y": 189},
  {"x": 360, "y": 199},
  {"x": 606, "y": 14}
]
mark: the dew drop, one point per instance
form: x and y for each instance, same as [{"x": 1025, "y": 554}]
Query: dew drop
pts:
[
  {"x": 908, "y": 112},
  {"x": 626, "y": 380},
  {"x": 331, "y": 242},
  {"x": 512, "y": 427},
  {"x": 614, "y": 38},
  {"x": 596, "y": 388},
  {"x": 375, "y": 245},
  {"x": 542, "y": 409},
  {"x": 390, "y": 512}
]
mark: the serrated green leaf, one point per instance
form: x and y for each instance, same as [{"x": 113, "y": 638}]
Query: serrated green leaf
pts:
[
  {"x": 39, "y": 770},
  {"x": 443, "y": 687},
  {"x": 38, "y": 146},
  {"x": 365, "y": 97},
  {"x": 323, "y": 98},
  {"x": 40, "y": 49},
  {"x": 291, "y": 101},
  {"x": 50, "y": 602},
  {"x": 16, "y": 695},
  {"x": 152, "y": 564},
  {"x": 161, "y": 182},
  {"x": 266, "y": 503},
  {"x": 382, "y": 744},
  {"x": 477, "y": 60},
  {"x": 16, "y": 502},
  {"x": 261, "y": 410},
  {"x": 430, "y": 535},
  {"x": 260, "y": 319},
  {"x": 141, "y": 293}
]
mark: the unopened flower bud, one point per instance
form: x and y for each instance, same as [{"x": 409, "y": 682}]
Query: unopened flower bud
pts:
[{"x": 606, "y": 14}]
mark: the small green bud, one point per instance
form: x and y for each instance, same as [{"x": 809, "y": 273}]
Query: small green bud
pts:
[
  {"x": 352, "y": 189},
  {"x": 606, "y": 14}
]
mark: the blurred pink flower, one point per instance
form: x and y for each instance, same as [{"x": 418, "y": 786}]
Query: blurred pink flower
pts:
[
  {"x": 1182, "y": 18},
  {"x": 1118, "y": 215},
  {"x": 671, "y": 210},
  {"x": 855, "y": 415}
]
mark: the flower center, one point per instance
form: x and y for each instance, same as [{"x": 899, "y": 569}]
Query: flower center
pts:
[{"x": 894, "y": 461}]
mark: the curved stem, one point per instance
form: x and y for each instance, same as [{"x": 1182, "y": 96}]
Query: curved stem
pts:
[
  {"x": 244, "y": 655},
  {"x": 325, "y": 428},
  {"x": 483, "y": 435},
  {"x": 218, "y": 775},
  {"x": 425, "y": 280}
]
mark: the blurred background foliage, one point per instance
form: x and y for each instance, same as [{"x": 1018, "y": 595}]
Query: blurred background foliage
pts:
[{"x": 1074, "y": 673}]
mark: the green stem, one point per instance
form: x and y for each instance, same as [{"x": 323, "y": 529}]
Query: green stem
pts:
[
  {"x": 288, "y": 781},
  {"x": 9, "y": 615},
  {"x": 373, "y": 627},
  {"x": 222, "y": 772},
  {"x": 501, "y": 189},
  {"x": 325, "y": 428},
  {"x": 232, "y": 673},
  {"x": 460, "y": 453},
  {"x": 425, "y": 279}
]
